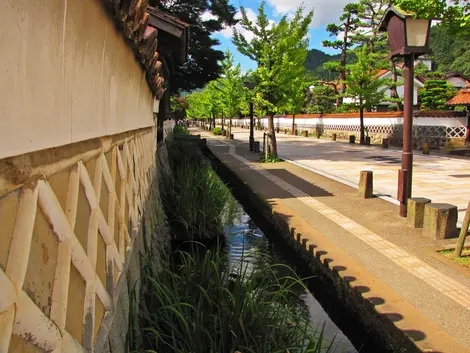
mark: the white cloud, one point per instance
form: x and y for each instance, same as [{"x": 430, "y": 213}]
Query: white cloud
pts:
[
  {"x": 227, "y": 32},
  {"x": 206, "y": 16},
  {"x": 325, "y": 11}
]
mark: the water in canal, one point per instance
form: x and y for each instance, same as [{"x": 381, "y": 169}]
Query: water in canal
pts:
[{"x": 246, "y": 243}]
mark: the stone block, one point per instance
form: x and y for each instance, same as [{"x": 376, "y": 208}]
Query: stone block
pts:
[
  {"x": 366, "y": 185},
  {"x": 440, "y": 220},
  {"x": 385, "y": 143},
  {"x": 256, "y": 146},
  {"x": 416, "y": 211}
]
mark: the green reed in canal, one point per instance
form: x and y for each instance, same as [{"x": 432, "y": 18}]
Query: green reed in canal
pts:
[
  {"x": 202, "y": 305},
  {"x": 197, "y": 203}
]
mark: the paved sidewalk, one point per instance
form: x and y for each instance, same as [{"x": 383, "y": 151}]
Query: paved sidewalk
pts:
[
  {"x": 395, "y": 267},
  {"x": 441, "y": 179}
]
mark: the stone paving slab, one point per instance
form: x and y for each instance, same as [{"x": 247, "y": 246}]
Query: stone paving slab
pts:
[
  {"x": 438, "y": 178},
  {"x": 373, "y": 234}
]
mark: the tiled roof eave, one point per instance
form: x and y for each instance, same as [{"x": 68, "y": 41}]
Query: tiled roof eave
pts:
[{"x": 132, "y": 19}]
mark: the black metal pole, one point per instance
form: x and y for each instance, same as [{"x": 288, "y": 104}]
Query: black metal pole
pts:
[
  {"x": 252, "y": 134},
  {"x": 405, "y": 174}
]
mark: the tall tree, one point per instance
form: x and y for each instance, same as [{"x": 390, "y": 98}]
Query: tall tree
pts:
[
  {"x": 202, "y": 65},
  {"x": 206, "y": 104},
  {"x": 370, "y": 14},
  {"x": 231, "y": 87},
  {"x": 280, "y": 51},
  {"x": 363, "y": 86},
  {"x": 321, "y": 99},
  {"x": 348, "y": 24},
  {"x": 297, "y": 91},
  {"x": 367, "y": 33},
  {"x": 435, "y": 94}
]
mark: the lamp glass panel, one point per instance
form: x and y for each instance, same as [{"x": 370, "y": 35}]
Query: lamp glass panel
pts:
[{"x": 416, "y": 32}]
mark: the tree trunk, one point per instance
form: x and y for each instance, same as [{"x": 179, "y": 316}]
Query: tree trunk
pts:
[
  {"x": 272, "y": 135},
  {"x": 229, "y": 127},
  {"x": 361, "y": 119},
  {"x": 393, "y": 87},
  {"x": 293, "y": 124},
  {"x": 223, "y": 121},
  {"x": 344, "y": 53}
]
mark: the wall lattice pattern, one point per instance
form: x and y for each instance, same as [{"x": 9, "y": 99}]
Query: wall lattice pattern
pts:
[{"x": 66, "y": 236}]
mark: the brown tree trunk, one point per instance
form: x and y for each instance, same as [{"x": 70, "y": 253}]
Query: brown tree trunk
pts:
[
  {"x": 272, "y": 135},
  {"x": 223, "y": 122},
  {"x": 293, "y": 124},
  {"x": 393, "y": 87},
  {"x": 344, "y": 53},
  {"x": 361, "y": 122},
  {"x": 229, "y": 126}
]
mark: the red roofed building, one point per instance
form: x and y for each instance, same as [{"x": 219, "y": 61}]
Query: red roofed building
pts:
[{"x": 463, "y": 99}]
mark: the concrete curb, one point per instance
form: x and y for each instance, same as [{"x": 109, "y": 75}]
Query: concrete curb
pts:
[{"x": 376, "y": 307}]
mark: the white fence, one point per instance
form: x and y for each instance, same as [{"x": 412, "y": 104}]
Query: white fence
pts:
[{"x": 434, "y": 129}]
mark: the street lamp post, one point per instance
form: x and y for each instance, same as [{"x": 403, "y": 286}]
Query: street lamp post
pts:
[
  {"x": 408, "y": 37},
  {"x": 249, "y": 85}
]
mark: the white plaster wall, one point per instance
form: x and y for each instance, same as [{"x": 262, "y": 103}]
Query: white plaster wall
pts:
[
  {"x": 457, "y": 82},
  {"x": 312, "y": 122},
  {"x": 66, "y": 75}
]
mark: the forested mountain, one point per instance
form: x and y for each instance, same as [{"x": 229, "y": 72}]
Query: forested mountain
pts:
[
  {"x": 314, "y": 63},
  {"x": 450, "y": 53},
  {"x": 315, "y": 60}
]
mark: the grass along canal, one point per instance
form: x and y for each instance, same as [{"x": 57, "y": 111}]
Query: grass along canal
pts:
[{"x": 226, "y": 284}]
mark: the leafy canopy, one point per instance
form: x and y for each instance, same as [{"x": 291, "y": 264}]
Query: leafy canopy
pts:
[
  {"x": 202, "y": 65},
  {"x": 279, "y": 50},
  {"x": 435, "y": 94},
  {"x": 362, "y": 83},
  {"x": 231, "y": 85}
]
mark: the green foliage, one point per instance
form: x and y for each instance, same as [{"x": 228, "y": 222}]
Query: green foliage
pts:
[
  {"x": 450, "y": 52},
  {"x": 280, "y": 51},
  {"x": 455, "y": 13},
  {"x": 208, "y": 306},
  {"x": 314, "y": 63},
  {"x": 178, "y": 107},
  {"x": 361, "y": 83},
  {"x": 217, "y": 130},
  {"x": 321, "y": 99},
  {"x": 205, "y": 104},
  {"x": 370, "y": 14},
  {"x": 435, "y": 94},
  {"x": 202, "y": 65},
  {"x": 198, "y": 204},
  {"x": 271, "y": 158},
  {"x": 180, "y": 130},
  {"x": 346, "y": 108},
  {"x": 231, "y": 85},
  {"x": 421, "y": 70},
  {"x": 349, "y": 22}
]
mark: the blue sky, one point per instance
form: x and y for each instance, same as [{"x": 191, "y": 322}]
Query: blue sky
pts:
[{"x": 325, "y": 11}]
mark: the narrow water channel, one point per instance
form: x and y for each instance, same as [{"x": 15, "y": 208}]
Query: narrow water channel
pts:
[{"x": 246, "y": 243}]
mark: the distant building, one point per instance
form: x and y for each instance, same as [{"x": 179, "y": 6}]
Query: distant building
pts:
[
  {"x": 426, "y": 61},
  {"x": 387, "y": 74},
  {"x": 457, "y": 80}
]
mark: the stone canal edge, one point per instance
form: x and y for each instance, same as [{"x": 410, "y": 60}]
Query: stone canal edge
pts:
[{"x": 366, "y": 297}]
